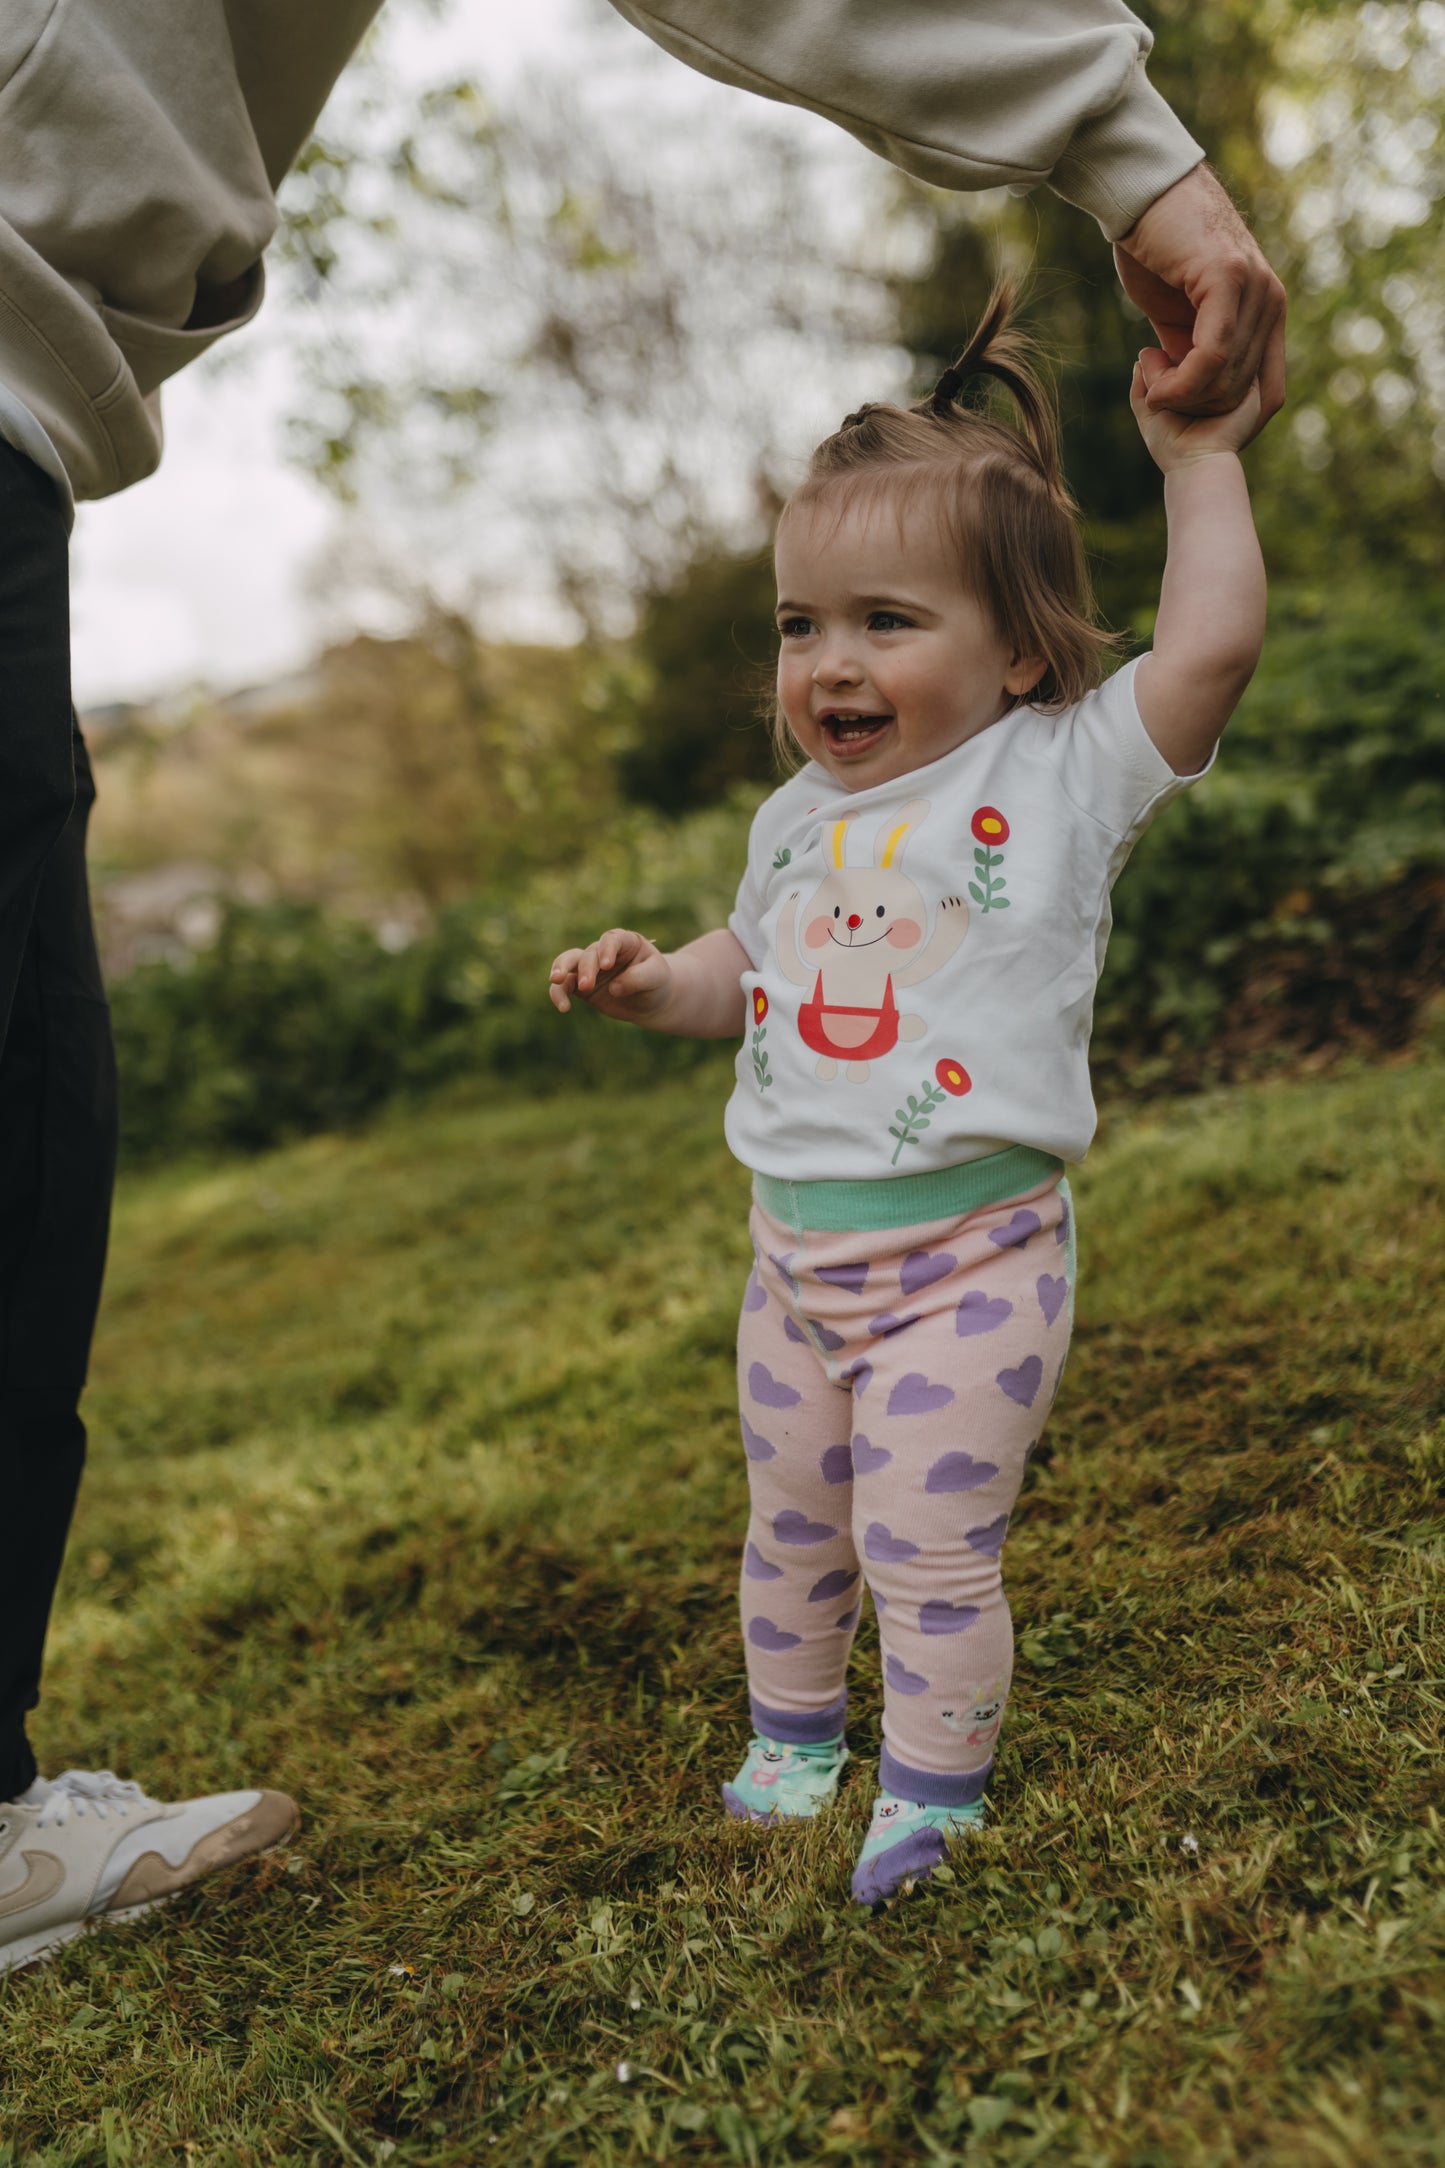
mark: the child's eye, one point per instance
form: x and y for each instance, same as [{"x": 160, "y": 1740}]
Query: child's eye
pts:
[
  {"x": 888, "y": 621},
  {"x": 795, "y": 628}
]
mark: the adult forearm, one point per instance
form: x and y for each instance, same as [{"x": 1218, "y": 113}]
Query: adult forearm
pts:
[{"x": 965, "y": 94}]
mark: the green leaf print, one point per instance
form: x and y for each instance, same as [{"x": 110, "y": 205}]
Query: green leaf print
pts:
[
  {"x": 784, "y": 858},
  {"x": 987, "y": 891},
  {"x": 915, "y": 1117}
]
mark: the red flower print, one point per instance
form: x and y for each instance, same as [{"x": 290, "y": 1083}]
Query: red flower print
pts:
[
  {"x": 760, "y": 1004},
  {"x": 989, "y": 825},
  {"x": 954, "y": 1078}
]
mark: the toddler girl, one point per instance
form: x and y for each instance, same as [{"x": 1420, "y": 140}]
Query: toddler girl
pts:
[{"x": 911, "y": 963}]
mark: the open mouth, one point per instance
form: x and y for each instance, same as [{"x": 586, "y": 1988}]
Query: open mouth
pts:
[{"x": 853, "y": 733}]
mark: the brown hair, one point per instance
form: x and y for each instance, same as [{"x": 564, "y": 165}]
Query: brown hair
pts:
[{"x": 999, "y": 493}]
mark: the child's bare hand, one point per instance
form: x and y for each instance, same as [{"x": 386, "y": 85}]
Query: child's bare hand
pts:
[
  {"x": 619, "y": 974},
  {"x": 1177, "y": 440}
]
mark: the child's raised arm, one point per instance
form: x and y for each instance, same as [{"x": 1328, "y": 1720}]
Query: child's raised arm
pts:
[
  {"x": 696, "y": 992},
  {"x": 1210, "y": 626}
]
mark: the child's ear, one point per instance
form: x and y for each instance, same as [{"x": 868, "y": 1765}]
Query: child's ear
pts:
[{"x": 1024, "y": 672}]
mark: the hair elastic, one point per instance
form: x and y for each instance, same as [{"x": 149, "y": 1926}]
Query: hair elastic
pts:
[{"x": 945, "y": 392}]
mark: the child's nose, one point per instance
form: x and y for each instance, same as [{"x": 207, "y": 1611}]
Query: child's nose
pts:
[{"x": 836, "y": 667}]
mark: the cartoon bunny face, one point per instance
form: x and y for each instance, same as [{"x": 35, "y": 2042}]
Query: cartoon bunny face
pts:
[
  {"x": 856, "y": 910},
  {"x": 865, "y": 926},
  {"x": 976, "y": 1722}
]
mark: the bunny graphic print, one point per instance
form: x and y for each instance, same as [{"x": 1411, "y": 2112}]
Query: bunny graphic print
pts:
[
  {"x": 863, "y": 933},
  {"x": 924, "y": 953}
]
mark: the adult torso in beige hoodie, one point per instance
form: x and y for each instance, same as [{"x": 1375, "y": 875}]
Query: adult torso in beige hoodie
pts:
[{"x": 142, "y": 143}]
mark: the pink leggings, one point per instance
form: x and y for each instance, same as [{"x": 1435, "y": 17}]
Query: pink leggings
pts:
[{"x": 892, "y": 1386}]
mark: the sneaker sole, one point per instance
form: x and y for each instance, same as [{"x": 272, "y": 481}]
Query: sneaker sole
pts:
[{"x": 39, "y": 1948}]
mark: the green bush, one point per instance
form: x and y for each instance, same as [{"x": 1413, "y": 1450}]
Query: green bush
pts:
[
  {"x": 1321, "y": 832},
  {"x": 295, "y": 1021},
  {"x": 1294, "y": 899}
]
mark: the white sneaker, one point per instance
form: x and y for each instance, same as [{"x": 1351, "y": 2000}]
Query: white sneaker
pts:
[{"x": 84, "y": 1848}]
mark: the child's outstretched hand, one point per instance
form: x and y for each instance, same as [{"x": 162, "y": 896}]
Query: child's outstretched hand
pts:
[
  {"x": 1176, "y": 440},
  {"x": 620, "y": 974}
]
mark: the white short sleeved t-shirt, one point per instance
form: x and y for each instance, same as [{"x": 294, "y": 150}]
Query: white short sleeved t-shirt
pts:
[{"x": 924, "y": 953}]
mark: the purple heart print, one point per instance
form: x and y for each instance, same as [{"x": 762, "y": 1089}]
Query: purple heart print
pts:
[
  {"x": 754, "y": 1444},
  {"x": 868, "y": 1458},
  {"x": 886, "y": 1323},
  {"x": 959, "y": 1471},
  {"x": 938, "y": 1617},
  {"x": 920, "y": 1268},
  {"x": 913, "y": 1395},
  {"x": 988, "y": 1540},
  {"x": 902, "y": 1680},
  {"x": 754, "y": 1295},
  {"x": 829, "y": 1341},
  {"x": 794, "y": 1527},
  {"x": 976, "y": 1313},
  {"x": 1022, "y": 1385},
  {"x": 881, "y": 1544},
  {"x": 795, "y": 1332},
  {"x": 756, "y": 1567},
  {"x": 833, "y": 1584},
  {"x": 857, "y": 1374},
  {"x": 768, "y": 1391},
  {"x": 1053, "y": 1293},
  {"x": 1020, "y": 1227},
  {"x": 853, "y": 1277},
  {"x": 837, "y": 1464},
  {"x": 765, "y": 1635}
]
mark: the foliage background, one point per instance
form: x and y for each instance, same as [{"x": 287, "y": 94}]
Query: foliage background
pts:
[{"x": 387, "y": 856}]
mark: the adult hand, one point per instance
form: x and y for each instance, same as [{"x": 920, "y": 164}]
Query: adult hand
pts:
[{"x": 1195, "y": 269}]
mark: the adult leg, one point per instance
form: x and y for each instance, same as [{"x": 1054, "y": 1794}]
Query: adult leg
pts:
[
  {"x": 85, "y": 1844},
  {"x": 57, "y": 1092}
]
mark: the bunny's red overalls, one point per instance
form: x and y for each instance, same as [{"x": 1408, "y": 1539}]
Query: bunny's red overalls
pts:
[{"x": 829, "y": 1028}]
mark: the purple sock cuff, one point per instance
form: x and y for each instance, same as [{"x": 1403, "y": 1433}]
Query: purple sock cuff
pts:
[
  {"x": 806, "y": 1727},
  {"x": 926, "y": 1788}
]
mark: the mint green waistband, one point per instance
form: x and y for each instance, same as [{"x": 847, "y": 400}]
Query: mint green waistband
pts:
[{"x": 906, "y": 1200}]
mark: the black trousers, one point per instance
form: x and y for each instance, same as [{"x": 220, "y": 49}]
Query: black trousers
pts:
[{"x": 57, "y": 1090}]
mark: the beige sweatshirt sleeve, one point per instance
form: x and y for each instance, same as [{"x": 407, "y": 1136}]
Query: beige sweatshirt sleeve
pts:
[{"x": 963, "y": 93}]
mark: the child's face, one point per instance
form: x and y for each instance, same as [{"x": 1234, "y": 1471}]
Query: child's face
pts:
[{"x": 886, "y": 661}]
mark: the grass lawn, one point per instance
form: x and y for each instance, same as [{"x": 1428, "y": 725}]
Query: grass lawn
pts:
[{"x": 415, "y": 1489}]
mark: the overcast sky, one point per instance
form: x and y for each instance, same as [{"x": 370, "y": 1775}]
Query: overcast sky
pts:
[{"x": 200, "y": 571}]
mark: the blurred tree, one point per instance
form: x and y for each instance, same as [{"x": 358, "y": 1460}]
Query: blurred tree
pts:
[
  {"x": 705, "y": 645},
  {"x": 567, "y": 363}
]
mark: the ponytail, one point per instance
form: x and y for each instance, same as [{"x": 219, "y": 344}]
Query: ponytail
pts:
[{"x": 998, "y": 350}]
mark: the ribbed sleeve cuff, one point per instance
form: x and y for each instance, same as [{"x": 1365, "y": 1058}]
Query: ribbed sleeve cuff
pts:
[{"x": 1120, "y": 162}]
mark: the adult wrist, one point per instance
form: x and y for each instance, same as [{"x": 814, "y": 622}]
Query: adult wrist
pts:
[{"x": 1121, "y": 161}]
